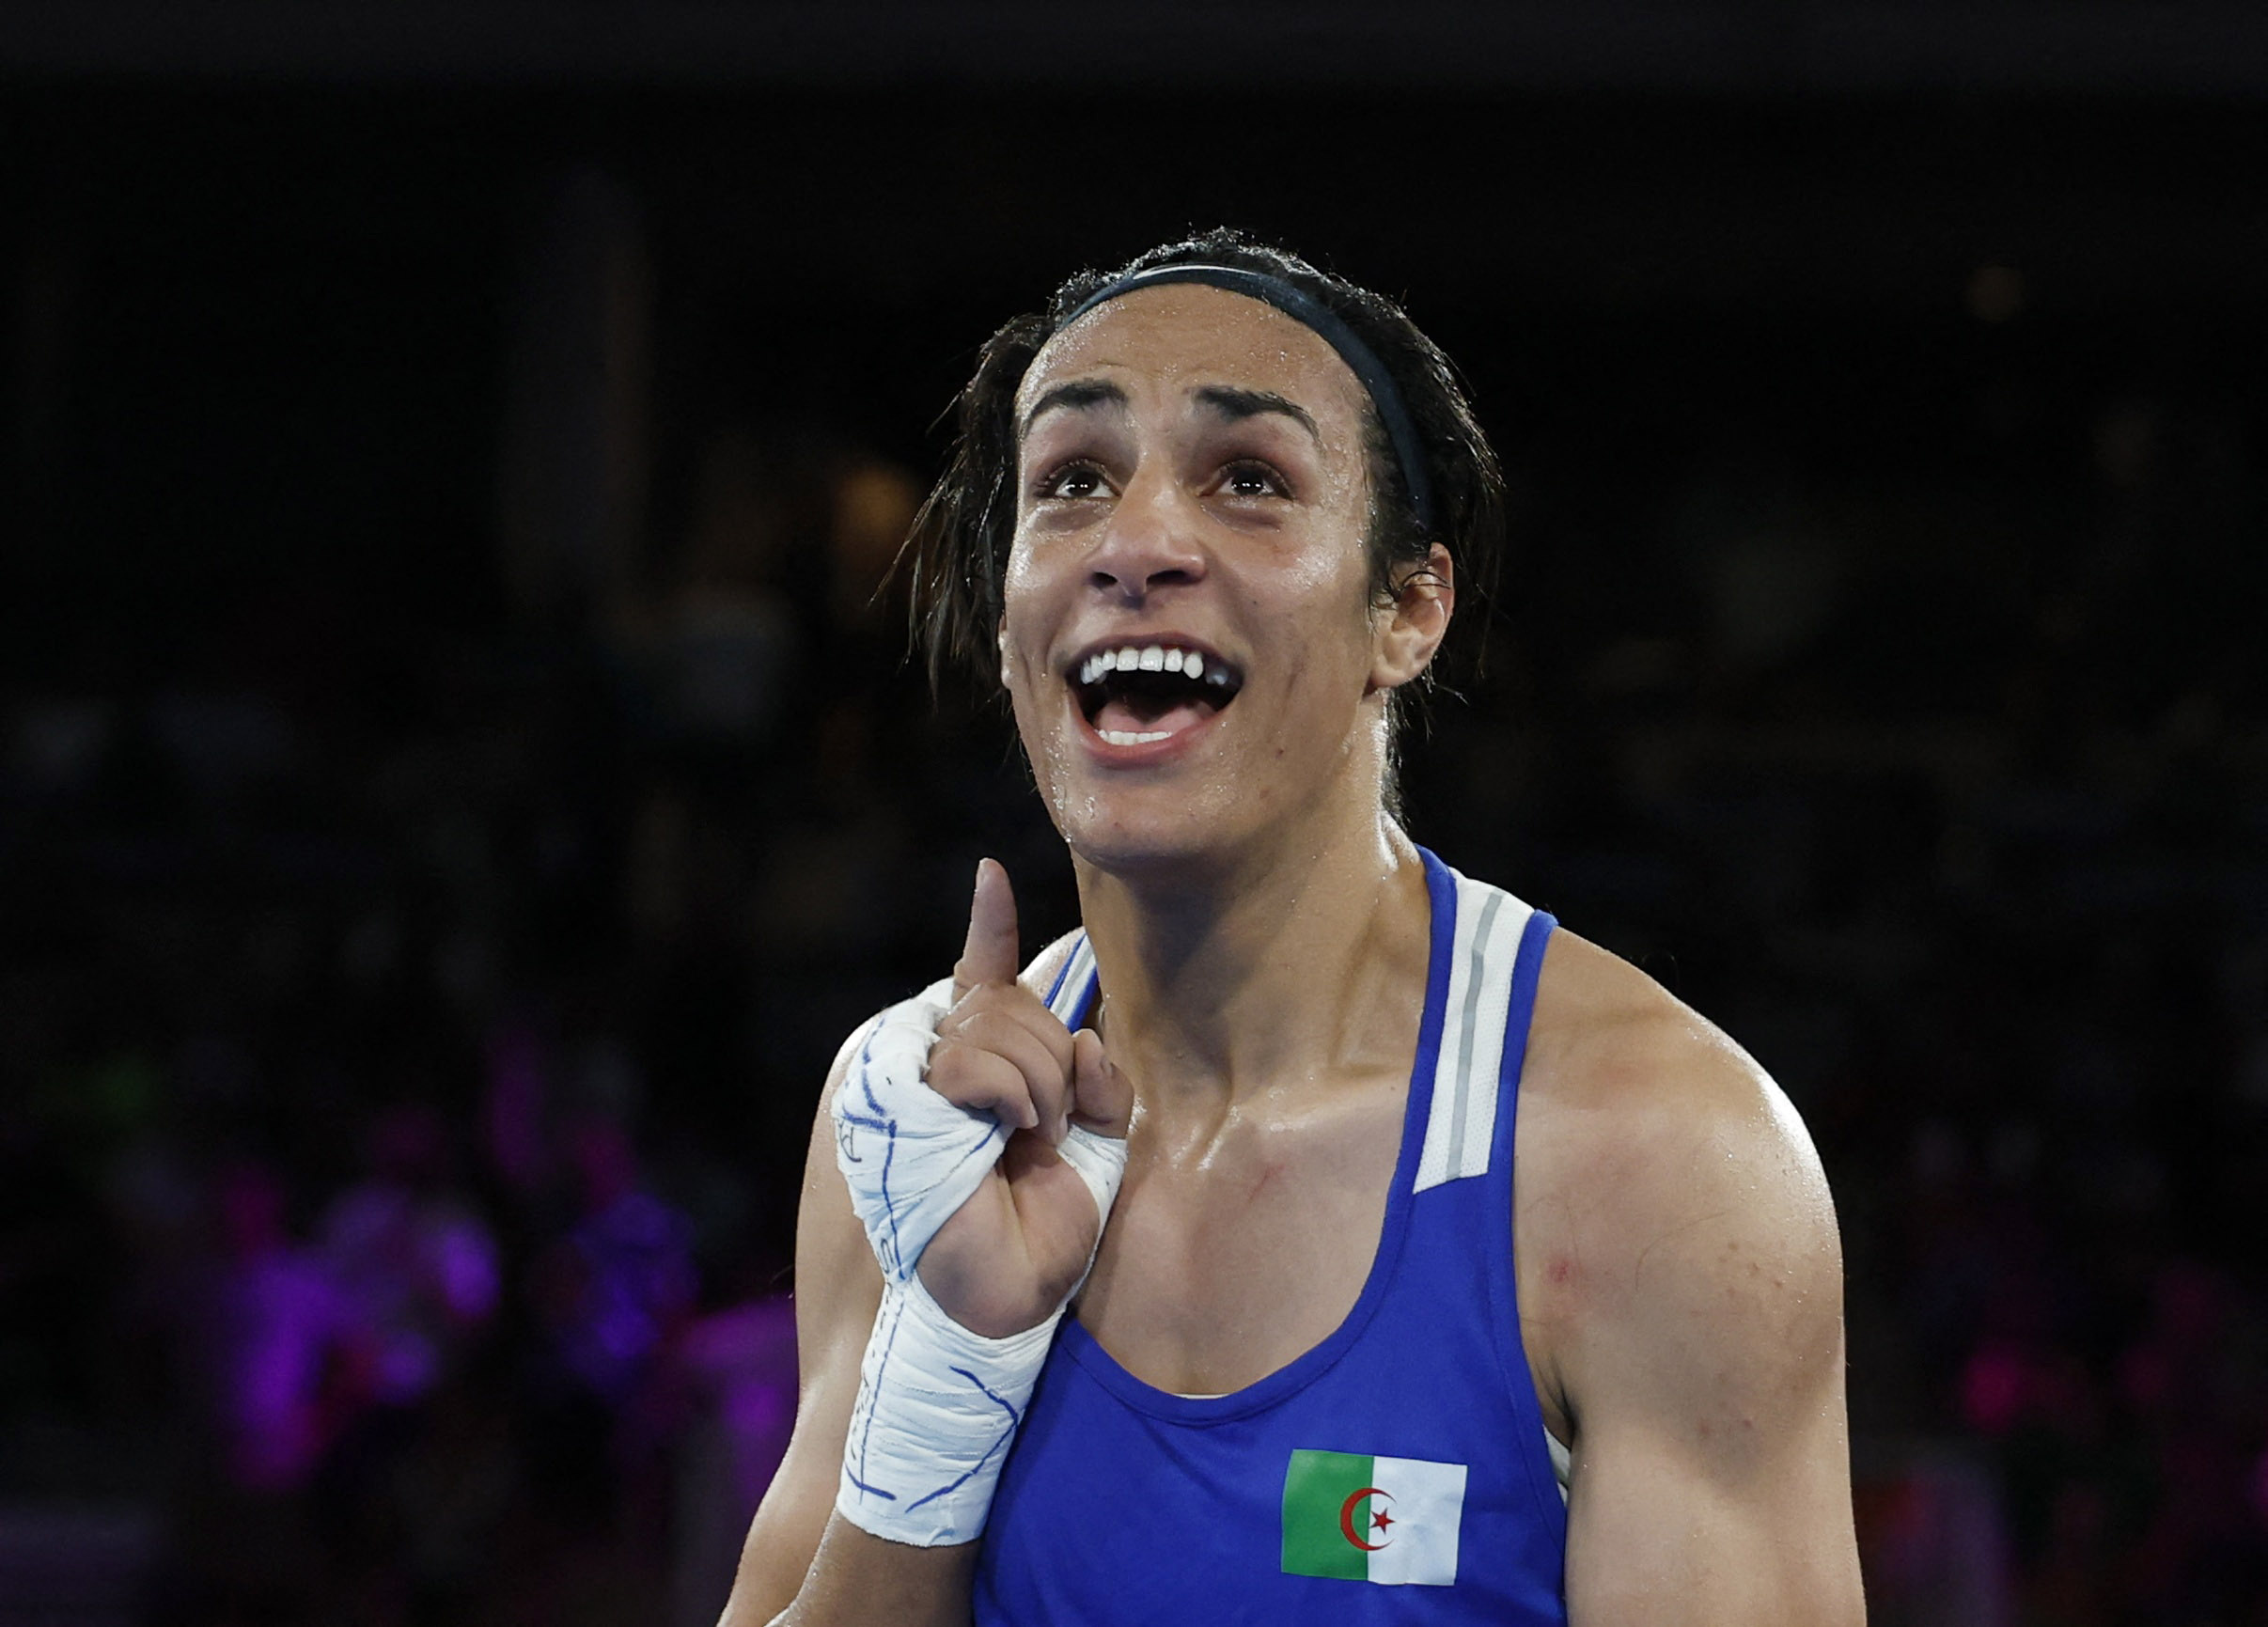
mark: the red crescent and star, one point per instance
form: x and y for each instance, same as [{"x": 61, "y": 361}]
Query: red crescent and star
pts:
[{"x": 1379, "y": 1521}]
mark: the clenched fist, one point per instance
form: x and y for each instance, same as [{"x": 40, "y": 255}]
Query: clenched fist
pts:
[{"x": 1017, "y": 1248}]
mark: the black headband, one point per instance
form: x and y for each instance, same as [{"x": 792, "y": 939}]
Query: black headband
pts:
[{"x": 1306, "y": 309}]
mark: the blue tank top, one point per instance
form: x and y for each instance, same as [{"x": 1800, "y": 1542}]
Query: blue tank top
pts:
[{"x": 1395, "y": 1473}]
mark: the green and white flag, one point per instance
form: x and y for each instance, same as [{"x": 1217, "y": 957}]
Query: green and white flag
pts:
[{"x": 1388, "y": 1520}]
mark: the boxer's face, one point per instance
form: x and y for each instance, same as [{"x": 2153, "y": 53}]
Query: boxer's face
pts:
[{"x": 1193, "y": 503}]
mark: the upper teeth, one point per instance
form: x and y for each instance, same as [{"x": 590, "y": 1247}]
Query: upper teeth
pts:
[{"x": 1136, "y": 657}]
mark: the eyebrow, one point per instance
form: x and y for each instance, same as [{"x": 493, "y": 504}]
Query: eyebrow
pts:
[
  {"x": 1235, "y": 405},
  {"x": 1075, "y": 396},
  {"x": 1225, "y": 399}
]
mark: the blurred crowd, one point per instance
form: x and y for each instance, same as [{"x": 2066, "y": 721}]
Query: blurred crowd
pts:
[
  {"x": 1947, "y": 794},
  {"x": 412, "y": 1032},
  {"x": 409, "y": 1069}
]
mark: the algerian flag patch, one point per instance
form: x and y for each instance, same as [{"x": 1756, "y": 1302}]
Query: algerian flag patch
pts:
[{"x": 1387, "y": 1520}]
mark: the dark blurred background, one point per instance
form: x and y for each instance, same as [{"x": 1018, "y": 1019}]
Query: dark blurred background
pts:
[{"x": 459, "y": 779}]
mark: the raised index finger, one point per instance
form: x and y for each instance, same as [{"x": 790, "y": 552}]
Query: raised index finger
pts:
[{"x": 992, "y": 953}]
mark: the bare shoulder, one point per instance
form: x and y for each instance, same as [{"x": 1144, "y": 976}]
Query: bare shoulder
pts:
[
  {"x": 1676, "y": 1240},
  {"x": 1611, "y": 1045}
]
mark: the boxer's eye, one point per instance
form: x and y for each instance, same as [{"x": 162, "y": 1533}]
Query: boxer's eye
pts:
[
  {"x": 1075, "y": 481},
  {"x": 1250, "y": 477}
]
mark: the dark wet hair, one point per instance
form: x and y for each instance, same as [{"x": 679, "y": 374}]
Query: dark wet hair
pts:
[{"x": 958, "y": 546}]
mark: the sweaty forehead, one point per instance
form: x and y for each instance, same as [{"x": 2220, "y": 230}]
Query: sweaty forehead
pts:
[{"x": 1182, "y": 336}]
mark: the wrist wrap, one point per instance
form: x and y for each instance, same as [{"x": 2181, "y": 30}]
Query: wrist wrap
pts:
[{"x": 937, "y": 1409}]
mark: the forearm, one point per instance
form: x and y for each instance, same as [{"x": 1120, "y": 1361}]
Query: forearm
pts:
[{"x": 859, "y": 1580}]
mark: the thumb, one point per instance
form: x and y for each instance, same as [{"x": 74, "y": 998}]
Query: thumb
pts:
[
  {"x": 1102, "y": 1096},
  {"x": 992, "y": 953}
]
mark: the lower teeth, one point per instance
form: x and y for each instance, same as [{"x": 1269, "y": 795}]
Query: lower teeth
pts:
[{"x": 1132, "y": 737}]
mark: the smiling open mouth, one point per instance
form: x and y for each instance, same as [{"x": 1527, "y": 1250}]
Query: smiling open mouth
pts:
[{"x": 1138, "y": 694}]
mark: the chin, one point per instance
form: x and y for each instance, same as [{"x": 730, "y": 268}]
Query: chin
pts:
[{"x": 1153, "y": 831}]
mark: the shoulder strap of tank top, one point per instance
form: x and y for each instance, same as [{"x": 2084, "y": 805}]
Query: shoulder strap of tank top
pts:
[
  {"x": 1468, "y": 1066},
  {"x": 1075, "y": 986},
  {"x": 1485, "y": 953}
]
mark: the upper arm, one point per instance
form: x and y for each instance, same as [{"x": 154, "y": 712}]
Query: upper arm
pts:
[
  {"x": 1692, "y": 1306},
  {"x": 838, "y": 1291}
]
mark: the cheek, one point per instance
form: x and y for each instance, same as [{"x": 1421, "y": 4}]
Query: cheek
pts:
[
  {"x": 1330, "y": 606},
  {"x": 1022, "y": 633}
]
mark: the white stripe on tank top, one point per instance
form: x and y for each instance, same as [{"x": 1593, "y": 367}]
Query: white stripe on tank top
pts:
[{"x": 1462, "y": 1120}]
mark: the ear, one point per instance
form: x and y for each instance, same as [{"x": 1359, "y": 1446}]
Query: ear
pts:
[
  {"x": 1000, "y": 643},
  {"x": 1409, "y": 631}
]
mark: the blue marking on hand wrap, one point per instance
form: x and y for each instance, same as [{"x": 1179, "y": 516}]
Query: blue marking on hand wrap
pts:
[
  {"x": 889, "y": 1154},
  {"x": 977, "y": 1150},
  {"x": 889, "y": 1126},
  {"x": 866, "y": 1051},
  {"x": 868, "y": 1434},
  {"x": 976, "y": 1468},
  {"x": 987, "y": 1389}
]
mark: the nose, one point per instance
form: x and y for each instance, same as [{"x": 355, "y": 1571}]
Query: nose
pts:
[{"x": 1150, "y": 544}]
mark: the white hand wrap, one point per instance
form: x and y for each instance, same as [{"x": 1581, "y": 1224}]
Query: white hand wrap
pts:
[
  {"x": 1101, "y": 1161},
  {"x": 937, "y": 1408},
  {"x": 911, "y": 1157},
  {"x": 937, "y": 1404}
]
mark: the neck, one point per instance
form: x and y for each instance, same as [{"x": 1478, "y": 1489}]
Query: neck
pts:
[{"x": 1267, "y": 974}]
